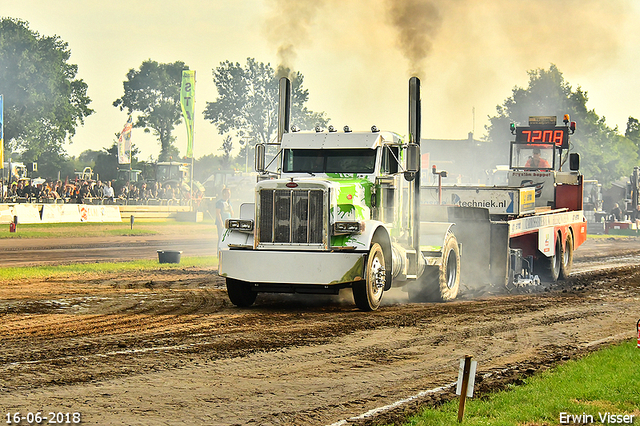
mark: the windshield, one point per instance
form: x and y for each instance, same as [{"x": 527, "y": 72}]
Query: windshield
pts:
[
  {"x": 329, "y": 160},
  {"x": 532, "y": 156}
]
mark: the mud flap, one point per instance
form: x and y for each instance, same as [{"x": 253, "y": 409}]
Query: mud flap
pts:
[
  {"x": 473, "y": 231},
  {"x": 499, "y": 249}
]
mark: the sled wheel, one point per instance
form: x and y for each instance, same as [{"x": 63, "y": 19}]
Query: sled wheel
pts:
[
  {"x": 567, "y": 258},
  {"x": 551, "y": 266}
]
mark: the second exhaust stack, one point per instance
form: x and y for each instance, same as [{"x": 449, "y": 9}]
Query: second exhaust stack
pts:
[{"x": 284, "y": 107}]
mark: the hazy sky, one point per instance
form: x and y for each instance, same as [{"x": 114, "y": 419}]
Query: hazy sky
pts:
[{"x": 356, "y": 56}]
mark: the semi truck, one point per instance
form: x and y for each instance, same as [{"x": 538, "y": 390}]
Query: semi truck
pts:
[{"x": 346, "y": 209}]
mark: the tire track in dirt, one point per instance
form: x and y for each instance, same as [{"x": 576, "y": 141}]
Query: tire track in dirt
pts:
[{"x": 172, "y": 336}]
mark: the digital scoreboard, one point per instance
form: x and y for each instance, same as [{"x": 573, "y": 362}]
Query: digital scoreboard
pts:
[
  {"x": 543, "y": 129},
  {"x": 556, "y": 135}
]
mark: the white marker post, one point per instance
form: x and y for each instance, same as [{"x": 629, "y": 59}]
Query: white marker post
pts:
[{"x": 466, "y": 380}]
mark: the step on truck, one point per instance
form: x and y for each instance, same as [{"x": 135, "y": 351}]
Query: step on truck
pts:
[{"x": 346, "y": 209}]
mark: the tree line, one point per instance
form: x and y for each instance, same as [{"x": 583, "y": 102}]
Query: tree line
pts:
[{"x": 44, "y": 103}]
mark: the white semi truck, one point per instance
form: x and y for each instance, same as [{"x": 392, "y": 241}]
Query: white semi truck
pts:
[{"x": 346, "y": 210}]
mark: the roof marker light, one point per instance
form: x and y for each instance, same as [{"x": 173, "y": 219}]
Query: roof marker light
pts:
[{"x": 347, "y": 129}]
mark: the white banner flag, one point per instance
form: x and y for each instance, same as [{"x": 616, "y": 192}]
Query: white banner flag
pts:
[{"x": 124, "y": 143}]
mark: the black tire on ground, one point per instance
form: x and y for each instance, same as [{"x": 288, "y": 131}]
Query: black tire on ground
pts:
[
  {"x": 367, "y": 294},
  {"x": 567, "y": 258},
  {"x": 240, "y": 293},
  {"x": 440, "y": 283},
  {"x": 549, "y": 267}
]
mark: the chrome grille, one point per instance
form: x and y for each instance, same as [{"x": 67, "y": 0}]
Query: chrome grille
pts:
[{"x": 293, "y": 216}]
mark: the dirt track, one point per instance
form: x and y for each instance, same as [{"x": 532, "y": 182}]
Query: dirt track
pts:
[{"x": 167, "y": 347}]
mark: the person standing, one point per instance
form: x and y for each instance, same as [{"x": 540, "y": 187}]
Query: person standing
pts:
[
  {"x": 223, "y": 212},
  {"x": 108, "y": 192},
  {"x": 635, "y": 216}
]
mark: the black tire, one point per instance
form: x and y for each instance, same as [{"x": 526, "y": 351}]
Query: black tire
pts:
[
  {"x": 550, "y": 267},
  {"x": 440, "y": 283},
  {"x": 567, "y": 258},
  {"x": 367, "y": 294},
  {"x": 240, "y": 293}
]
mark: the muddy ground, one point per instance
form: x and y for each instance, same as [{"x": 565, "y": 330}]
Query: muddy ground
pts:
[{"x": 166, "y": 347}]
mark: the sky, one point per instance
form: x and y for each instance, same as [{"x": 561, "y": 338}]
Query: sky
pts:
[{"x": 356, "y": 56}]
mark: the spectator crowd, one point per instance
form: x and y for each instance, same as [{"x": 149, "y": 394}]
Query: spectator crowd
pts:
[{"x": 82, "y": 191}]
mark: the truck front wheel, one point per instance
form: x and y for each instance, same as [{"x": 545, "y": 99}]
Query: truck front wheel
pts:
[
  {"x": 240, "y": 293},
  {"x": 440, "y": 283},
  {"x": 367, "y": 294}
]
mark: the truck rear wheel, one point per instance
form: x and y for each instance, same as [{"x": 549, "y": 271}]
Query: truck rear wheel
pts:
[
  {"x": 440, "y": 284},
  {"x": 367, "y": 294},
  {"x": 567, "y": 258},
  {"x": 240, "y": 293},
  {"x": 550, "y": 267}
]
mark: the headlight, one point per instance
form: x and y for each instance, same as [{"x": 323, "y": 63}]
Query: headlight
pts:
[
  {"x": 242, "y": 225},
  {"x": 348, "y": 228}
]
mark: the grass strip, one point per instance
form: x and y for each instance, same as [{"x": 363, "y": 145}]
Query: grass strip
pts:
[
  {"x": 27, "y": 272},
  {"x": 604, "y": 382},
  {"x": 609, "y": 236},
  {"x": 141, "y": 227}
]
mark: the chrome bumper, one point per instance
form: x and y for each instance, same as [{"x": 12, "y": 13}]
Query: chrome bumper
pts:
[{"x": 280, "y": 267}]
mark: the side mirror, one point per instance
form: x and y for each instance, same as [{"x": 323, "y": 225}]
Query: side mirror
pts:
[
  {"x": 574, "y": 161},
  {"x": 413, "y": 162},
  {"x": 260, "y": 158},
  {"x": 413, "y": 158}
]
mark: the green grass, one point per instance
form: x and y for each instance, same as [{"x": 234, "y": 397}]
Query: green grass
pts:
[
  {"x": 74, "y": 230},
  {"x": 607, "y": 236},
  {"x": 8, "y": 274},
  {"x": 605, "y": 381}
]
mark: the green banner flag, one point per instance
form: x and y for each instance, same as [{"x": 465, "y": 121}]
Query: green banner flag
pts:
[{"x": 187, "y": 100}]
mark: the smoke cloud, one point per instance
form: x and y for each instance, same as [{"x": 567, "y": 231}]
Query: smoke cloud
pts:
[
  {"x": 356, "y": 56},
  {"x": 288, "y": 26},
  {"x": 417, "y": 23}
]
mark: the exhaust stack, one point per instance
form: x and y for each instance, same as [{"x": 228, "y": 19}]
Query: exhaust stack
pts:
[
  {"x": 414, "y": 111},
  {"x": 414, "y": 139},
  {"x": 284, "y": 107}
]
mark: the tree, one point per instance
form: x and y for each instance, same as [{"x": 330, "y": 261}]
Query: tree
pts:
[
  {"x": 43, "y": 101},
  {"x": 605, "y": 154},
  {"x": 88, "y": 156},
  {"x": 154, "y": 92},
  {"x": 633, "y": 132},
  {"x": 227, "y": 146},
  {"x": 247, "y": 101}
]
